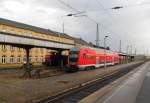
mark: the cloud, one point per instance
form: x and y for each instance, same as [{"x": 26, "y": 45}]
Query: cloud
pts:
[{"x": 130, "y": 24}]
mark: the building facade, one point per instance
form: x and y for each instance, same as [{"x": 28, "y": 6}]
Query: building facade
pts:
[{"x": 11, "y": 55}]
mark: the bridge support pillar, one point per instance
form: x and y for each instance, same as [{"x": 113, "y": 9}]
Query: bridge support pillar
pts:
[
  {"x": 61, "y": 59},
  {"x": 27, "y": 73},
  {"x": 27, "y": 58}
]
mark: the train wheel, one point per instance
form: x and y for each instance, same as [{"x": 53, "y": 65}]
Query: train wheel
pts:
[
  {"x": 87, "y": 68},
  {"x": 93, "y": 67}
]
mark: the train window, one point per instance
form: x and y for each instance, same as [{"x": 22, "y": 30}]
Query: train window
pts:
[
  {"x": 73, "y": 57},
  {"x": 84, "y": 55},
  {"x": 90, "y": 57}
]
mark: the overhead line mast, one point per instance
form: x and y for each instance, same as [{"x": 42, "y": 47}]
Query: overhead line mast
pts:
[
  {"x": 97, "y": 36},
  {"x": 97, "y": 23}
]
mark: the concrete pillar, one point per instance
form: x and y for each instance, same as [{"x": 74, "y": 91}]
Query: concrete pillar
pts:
[
  {"x": 27, "y": 57},
  {"x": 27, "y": 73},
  {"x": 61, "y": 59}
]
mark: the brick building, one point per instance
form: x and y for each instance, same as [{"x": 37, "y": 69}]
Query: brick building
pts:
[{"x": 15, "y": 55}]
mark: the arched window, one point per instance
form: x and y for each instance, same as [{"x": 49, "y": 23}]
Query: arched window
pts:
[
  {"x": 11, "y": 30},
  {"x": 19, "y": 49},
  {"x": 24, "y": 59},
  {"x": 4, "y": 28},
  {"x": 42, "y": 59},
  {"x": 25, "y": 33},
  {"x": 36, "y": 58},
  {"x": 3, "y": 47},
  {"x": 3, "y": 59},
  {"x": 11, "y": 48},
  {"x": 41, "y": 50},
  {"x": 30, "y": 34},
  {"x": 11, "y": 59},
  {"x": 19, "y": 59}
]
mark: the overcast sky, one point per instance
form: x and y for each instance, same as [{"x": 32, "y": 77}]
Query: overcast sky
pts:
[{"x": 131, "y": 24}]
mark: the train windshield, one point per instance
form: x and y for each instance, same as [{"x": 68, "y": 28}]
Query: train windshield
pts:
[{"x": 73, "y": 56}]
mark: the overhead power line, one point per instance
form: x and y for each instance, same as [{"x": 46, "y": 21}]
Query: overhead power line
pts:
[
  {"x": 113, "y": 19},
  {"x": 91, "y": 19},
  {"x": 134, "y": 5},
  {"x": 122, "y": 6},
  {"x": 67, "y": 5}
]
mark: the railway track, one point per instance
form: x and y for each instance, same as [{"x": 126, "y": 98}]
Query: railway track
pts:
[{"x": 76, "y": 94}]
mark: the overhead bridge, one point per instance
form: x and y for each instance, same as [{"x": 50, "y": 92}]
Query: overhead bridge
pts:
[
  {"x": 27, "y": 43},
  {"x": 28, "y": 36},
  {"x": 21, "y": 41}
]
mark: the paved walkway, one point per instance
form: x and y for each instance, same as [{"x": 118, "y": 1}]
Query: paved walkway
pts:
[
  {"x": 29, "y": 90},
  {"x": 133, "y": 88},
  {"x": 144, "y": 94}
]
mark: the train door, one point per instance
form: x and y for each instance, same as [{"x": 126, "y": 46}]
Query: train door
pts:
[{"x": 97, "y": 62}]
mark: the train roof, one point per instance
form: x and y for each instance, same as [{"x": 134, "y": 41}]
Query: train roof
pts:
[{"x": 77, "y": 48}]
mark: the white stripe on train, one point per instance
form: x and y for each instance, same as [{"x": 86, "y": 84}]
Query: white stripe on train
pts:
[{"x": 95, "y": 65}]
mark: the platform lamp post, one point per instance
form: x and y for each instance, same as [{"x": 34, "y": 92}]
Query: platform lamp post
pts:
[
  {"x": 63, "y": 24},
  {"x": 105, "y": 51},
  {"x": 117, "y": 7},
  {"x": 74, "y": 15}
]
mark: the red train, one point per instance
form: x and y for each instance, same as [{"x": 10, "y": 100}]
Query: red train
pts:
[
  {"x": 83, "y": 58},
  {"x": 90, "y": 58}
]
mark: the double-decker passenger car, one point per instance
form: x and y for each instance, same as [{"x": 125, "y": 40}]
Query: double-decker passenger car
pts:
[{"x": 90, "y": 58}]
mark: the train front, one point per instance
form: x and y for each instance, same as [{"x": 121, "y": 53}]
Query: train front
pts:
[{"x": 73, "y": 60}]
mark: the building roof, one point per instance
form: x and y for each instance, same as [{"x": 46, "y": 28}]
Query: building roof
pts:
[
  {"x": 81, "y": 41},
  {"x": 32, "y": 28}
]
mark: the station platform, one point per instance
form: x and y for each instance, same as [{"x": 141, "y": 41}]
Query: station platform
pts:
[
  {"x": 144, "y": 94},
  {"x": 131, "y": 88},
  {"x": 17, "y": 90}
]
